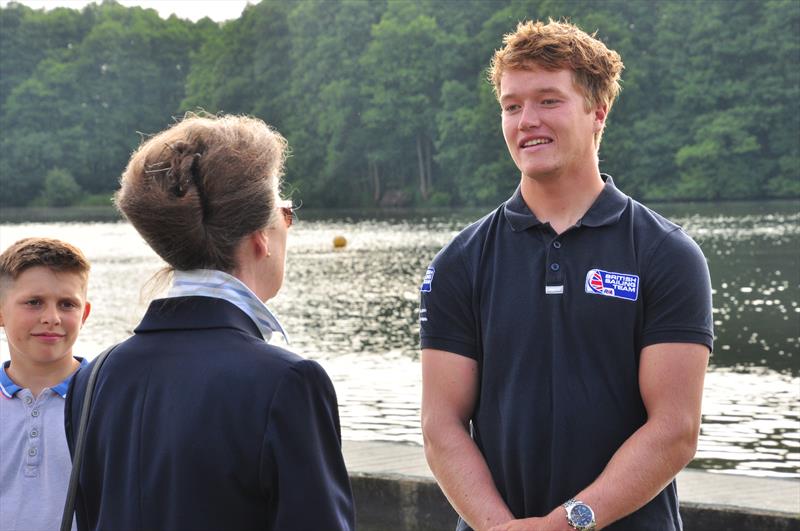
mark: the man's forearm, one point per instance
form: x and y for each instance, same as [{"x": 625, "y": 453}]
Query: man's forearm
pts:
[
  {"x": 638, "y": 471},
  {"x": 461, "y": 471}
]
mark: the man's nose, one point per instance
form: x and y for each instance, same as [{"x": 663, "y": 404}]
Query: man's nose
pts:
[{"x": 529, "y": 118}]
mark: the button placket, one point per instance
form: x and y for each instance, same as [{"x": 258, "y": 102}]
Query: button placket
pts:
[
  {"x": 554, "y": 278},
  {"x": 33, "y": 452}
]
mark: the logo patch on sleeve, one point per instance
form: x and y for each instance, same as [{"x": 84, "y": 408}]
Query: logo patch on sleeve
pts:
[
  {"x": 428, "y": 280},
  {"x": 610, "y": 284}
]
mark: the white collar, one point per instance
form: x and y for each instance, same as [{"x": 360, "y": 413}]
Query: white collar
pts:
[{"x": 221, "y": 285}]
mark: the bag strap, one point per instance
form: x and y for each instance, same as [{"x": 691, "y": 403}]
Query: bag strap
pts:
[{"x": 77, "y": 458}]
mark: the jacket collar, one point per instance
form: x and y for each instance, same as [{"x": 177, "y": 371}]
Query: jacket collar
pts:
[{"x": 196, "y": 313}]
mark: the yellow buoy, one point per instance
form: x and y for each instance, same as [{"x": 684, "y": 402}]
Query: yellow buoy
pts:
[{"x": 339, "y": 241}]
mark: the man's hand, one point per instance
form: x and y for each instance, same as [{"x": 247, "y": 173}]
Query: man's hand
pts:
[
  {"x": 555, "y": 521},
  {"x": 525, "y": 524}
]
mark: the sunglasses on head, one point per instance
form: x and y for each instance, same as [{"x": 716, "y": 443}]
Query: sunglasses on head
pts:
[{"x": 287, "y": 209}]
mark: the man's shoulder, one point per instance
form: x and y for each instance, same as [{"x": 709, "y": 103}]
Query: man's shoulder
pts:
[
  {"x": 472, "y": 237},
  {"x": 664, "y": 245},
  {"x": 648, "y": 219},
  {"x": 660, "y": 233}
]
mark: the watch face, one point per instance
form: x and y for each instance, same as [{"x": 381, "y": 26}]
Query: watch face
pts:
[{"x": 581, "y": 515}]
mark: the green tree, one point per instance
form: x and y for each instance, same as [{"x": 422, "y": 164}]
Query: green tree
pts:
[
  {"x": 401, "y": 86},
  {"x": 386, "y": 101},
  {"x": 60, "y": 189},
  {"x": 80, "y": 108},
  {"x": 329, "y": 166}
]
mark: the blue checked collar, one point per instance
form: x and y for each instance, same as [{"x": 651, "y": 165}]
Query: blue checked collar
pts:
[
  {"x": 9, "y": 388},
  {"x": 220, "y": 285}
]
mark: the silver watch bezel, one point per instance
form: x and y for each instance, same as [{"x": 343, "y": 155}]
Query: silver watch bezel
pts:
[{"x": 568, "y": 506}]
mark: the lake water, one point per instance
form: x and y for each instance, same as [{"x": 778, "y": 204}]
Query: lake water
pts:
[{"x": 355, "y": 311}]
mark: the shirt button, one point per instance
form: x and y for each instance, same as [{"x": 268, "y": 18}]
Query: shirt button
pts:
[
  {"x": 28, "y": 400},
  {"x": 35, "y": 413},
  {"x": 32, "y": 452},
  {"x": 555, "y": 267},
  {"x": 34, "y": 433},
  {"x": 557, "y": 244}
]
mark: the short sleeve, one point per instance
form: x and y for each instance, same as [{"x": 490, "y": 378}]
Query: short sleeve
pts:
[
  {"x": 446, "y": 315},
  {"x": 302, "y": 466},
  {"x": 677, "y": 293}
]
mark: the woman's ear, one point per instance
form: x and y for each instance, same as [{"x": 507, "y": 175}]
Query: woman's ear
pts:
[{"x": 259, "y": 242}]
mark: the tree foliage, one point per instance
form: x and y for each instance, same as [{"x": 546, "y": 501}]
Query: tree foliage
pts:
[{"x": 386, "y": 102}]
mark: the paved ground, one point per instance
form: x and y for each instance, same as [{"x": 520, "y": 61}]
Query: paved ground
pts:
[{"x": 695, "y": 486}]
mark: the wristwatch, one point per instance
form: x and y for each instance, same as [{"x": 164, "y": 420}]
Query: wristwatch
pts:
[{"x": 579, "y": 515}]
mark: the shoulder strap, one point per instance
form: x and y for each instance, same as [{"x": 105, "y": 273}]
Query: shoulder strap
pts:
[{"x": 77, "y": 458}]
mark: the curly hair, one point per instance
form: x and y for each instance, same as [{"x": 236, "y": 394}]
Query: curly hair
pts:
[{"x": 558, "y": 45}]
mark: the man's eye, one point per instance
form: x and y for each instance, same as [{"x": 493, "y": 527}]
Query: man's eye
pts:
[
  {"x": 33, "y": 302},
  {"x": 511, "y": 108},
  {"x": 549, "y": 102},
  {"x": 68, "y": 305}
]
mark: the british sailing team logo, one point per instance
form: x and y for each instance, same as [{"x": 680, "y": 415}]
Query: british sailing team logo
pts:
[
  {"x": 610, "y": 284},
  {"x": 428, "y": 280}
]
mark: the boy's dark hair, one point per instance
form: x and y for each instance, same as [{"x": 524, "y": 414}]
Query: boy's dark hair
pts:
[{"x": 53, "y": 254}]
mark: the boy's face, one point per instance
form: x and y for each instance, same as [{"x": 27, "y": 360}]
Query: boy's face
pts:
[{"x": 42, "y": 312}]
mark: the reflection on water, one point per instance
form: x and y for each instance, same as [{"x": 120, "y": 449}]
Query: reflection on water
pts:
[
  {"x": 755, "y": 266},
  {"x": 355, "y": 310}
]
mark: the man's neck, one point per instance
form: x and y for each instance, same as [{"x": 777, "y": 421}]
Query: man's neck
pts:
[
  {"x": 561, "y": 200},
  {"x": 37, "y": 377}
]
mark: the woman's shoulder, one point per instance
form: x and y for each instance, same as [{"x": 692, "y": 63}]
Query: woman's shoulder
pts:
[{"x": 277, "y": 358}]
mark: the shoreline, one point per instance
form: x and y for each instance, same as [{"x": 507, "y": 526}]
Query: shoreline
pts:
[{"x": 394, "y": 489}]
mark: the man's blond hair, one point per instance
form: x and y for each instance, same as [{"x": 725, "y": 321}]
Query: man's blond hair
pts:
[{"x": 558, "y": 45}]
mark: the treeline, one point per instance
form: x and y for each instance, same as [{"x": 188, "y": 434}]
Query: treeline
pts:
[{"x": 386, "y": 103}]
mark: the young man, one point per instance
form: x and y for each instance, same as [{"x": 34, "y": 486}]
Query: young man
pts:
[
  {"x": 565, "y": 335},
  {"x": 42, "y": 308}
]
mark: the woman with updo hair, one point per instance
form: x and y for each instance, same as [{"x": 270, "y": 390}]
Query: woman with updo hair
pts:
[{"x": 197, "y": 421}]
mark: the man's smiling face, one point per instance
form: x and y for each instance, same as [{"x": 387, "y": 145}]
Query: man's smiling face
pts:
[{"x": 547, "y": 127}]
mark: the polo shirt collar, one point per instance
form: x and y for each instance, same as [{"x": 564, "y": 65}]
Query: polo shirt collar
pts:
[
  {"x": 9, "y": 388},
  {"x": 606, "y": 209},
  {"x": 517, "y": 213}
]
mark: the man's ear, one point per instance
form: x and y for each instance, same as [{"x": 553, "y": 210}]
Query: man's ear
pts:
[
  {"x": 600, "y": 114},
  {"x": 86, "y": 310}
]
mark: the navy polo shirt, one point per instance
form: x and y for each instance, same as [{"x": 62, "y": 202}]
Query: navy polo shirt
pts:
[{"x": 556, "y": 323}]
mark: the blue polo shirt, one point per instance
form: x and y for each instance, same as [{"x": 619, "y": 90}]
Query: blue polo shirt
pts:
[
  {"x": 34, "y": 458},
  {"x": 556, "y": 323}
]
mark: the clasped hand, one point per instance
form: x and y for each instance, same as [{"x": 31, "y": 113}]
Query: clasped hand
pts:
[{"x": 526, "y": 524}]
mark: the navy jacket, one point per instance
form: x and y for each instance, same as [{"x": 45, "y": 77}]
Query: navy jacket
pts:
[{"x": 199, "y": 424}]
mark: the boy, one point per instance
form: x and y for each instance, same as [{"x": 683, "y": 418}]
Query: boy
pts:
[{"x": 43, "y": 305}]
